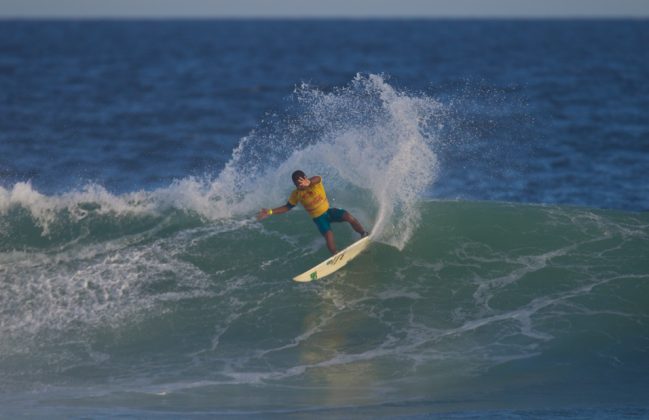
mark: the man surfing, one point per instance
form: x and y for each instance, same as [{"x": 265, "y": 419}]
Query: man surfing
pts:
[{"x": 311, "y": 194}]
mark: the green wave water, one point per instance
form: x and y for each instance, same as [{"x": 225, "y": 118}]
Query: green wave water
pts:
[{"x": 488, "y": 306}]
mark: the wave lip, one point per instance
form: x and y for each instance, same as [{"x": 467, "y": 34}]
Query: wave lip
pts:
[{"x": 373, "y": 144}]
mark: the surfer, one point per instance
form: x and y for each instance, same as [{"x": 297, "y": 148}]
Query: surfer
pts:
[{"x": 311, "y": 194}]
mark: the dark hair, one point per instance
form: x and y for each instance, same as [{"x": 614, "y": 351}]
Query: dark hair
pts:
[{"x": 297, "y": 175}]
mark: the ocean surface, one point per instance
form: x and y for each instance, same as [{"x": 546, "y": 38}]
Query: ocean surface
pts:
[{"x": 500, "y": 165}]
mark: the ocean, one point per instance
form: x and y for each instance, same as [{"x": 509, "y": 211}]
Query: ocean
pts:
[{"x": 501, "y": 166}]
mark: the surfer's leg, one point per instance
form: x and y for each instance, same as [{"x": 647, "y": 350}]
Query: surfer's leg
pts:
[
  {"x": 324, "y": 226},
  {"x": 331, "y": 245},
  {"x": 347, "y": 217}
]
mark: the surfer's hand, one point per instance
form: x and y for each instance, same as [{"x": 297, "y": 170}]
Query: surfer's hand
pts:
[
  {"x": 263, "y": 213},
  {"x": 303, "y": 182}
]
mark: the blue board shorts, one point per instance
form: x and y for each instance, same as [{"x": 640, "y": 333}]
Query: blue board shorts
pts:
[{"x": 333, "y": 215}]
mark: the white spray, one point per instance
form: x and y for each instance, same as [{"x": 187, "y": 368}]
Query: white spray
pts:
[{"x": 372, "y": 144}]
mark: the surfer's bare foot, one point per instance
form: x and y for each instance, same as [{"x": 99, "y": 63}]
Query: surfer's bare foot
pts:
[{"x": 364, "y": 234}]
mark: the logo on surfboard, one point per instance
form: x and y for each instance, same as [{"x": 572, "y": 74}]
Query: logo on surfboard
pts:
[{"x": 335, "y": 259}]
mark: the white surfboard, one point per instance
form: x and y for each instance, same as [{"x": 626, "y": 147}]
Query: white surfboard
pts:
[{"x": 335, "y": 262}]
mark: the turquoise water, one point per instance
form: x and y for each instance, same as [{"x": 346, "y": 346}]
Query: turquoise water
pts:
[{"x": 488, "y": 306}]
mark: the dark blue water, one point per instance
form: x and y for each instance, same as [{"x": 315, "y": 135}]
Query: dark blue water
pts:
[
  {"x": 500, "y": 164},
  {"x": 539, "y": 111}
]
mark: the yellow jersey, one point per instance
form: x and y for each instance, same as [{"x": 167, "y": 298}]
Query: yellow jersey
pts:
[{"x": 313, "y": 198}]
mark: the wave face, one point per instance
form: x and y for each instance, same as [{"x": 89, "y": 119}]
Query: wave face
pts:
[{"x": 486, "y": 305}]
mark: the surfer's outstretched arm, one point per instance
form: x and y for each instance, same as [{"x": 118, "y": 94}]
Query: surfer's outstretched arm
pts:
[{"x": 264, "y": 213}]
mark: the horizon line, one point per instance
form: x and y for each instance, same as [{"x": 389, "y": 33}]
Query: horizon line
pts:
[{"x": 325, "y": 17}]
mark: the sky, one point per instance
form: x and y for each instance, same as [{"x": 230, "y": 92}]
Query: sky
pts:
[{"x": 323, "y": 8}]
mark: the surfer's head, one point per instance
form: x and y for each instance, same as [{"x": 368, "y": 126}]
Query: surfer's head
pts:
[{"x": 296, "y": 176}]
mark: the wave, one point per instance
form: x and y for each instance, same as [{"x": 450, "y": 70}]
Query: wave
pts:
[
  {"x": 484, "y": 294},
  {"x": 454, "y": 297},
  {"x": 500, "y": 262}
]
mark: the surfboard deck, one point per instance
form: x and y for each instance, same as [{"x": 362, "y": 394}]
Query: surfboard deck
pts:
[{"x": 335, "y": 262}]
